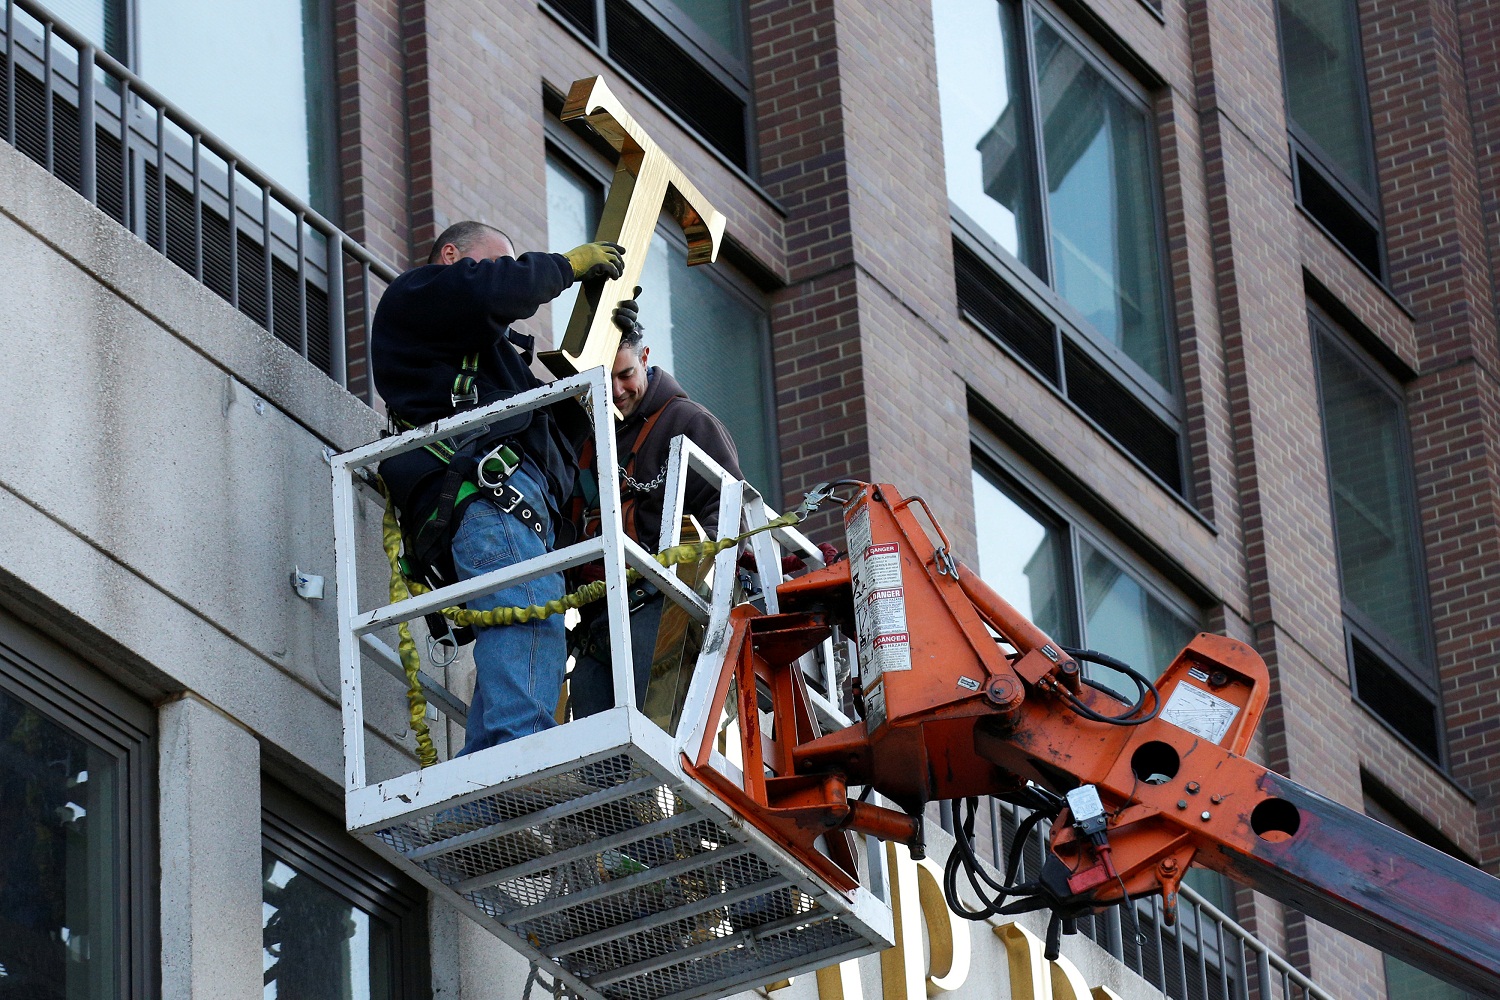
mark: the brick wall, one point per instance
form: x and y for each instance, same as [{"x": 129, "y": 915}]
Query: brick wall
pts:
[
  {"x": 1435, "y": 143},
  {"x": 876, "y": 374},
  {"x": 370, "y": 64},
  {"x": 822, "y": 405}
]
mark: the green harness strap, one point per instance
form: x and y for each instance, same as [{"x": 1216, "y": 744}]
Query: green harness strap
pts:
[{"x": 464, "y": 388}]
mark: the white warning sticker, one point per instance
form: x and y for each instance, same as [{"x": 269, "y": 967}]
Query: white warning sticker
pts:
[
  {"x": 882, "y": 566},
  {"x": 857, "y": 532},
  {"x": 879, "y": 600},
  {"x": 875, "y": 707},
  {"x": 892, "y": 652},
  {"x": 888, "y": 610},
  {"x": 1205, "y": 715}
]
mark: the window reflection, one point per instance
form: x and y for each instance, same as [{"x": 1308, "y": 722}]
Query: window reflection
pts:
[
  {"x": 1126, "y": 621},
  {"x": 572, "y": 213},
  {"x": 1099, "y": 202},
  {"x": 59, "y": 867},
  {"x": 270, "y": 96},
  {"x": 712, "y": 340},
  {"x": 1022, "y": 559},
  {"x": 1026, "y": 557},
  {"x": 1374, "y": 506},
  {"x": 100, "y": 21},
  {"x": 1099, "y": 245},
  {"x": 317, "y": 946},
  {"x": 1325, "y": 83},
  {"x": 986, "y": 140},
  {"x": 721, "y": 20}
]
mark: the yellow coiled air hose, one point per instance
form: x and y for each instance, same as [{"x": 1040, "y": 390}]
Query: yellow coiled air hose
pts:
[{"x": 402, "y": 588}]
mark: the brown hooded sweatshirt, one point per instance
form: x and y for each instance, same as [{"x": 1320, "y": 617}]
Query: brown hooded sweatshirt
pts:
[{"x": 681, "y": 416}]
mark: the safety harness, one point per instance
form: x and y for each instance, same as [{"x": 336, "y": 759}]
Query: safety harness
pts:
[{"x": 470, "y": 473}]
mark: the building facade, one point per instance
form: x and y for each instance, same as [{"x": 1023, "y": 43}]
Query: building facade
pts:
[{"x": 1181, "y": 315}]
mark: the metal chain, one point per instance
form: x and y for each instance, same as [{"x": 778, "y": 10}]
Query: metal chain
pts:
[{"x": 661, "y": 477}]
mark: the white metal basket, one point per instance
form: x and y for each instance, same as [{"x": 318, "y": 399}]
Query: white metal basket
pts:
[{"x": 586, "y": 847}]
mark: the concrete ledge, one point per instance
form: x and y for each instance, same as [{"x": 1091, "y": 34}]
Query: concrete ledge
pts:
[{"x": 167, "y": 475}]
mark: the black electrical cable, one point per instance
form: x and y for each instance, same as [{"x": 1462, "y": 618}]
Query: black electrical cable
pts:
[
  {"x": 994, "y": 896},
  {"x": 1143, "y": 686}
]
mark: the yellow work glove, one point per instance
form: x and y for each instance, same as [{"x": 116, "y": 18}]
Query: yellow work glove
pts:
[{"x": 597, "y": 260}]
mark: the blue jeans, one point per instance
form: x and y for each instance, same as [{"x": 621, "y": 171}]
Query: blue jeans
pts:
[{"x": 518, "y": 668}]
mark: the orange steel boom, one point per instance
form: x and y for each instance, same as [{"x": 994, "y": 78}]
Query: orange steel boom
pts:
[{"x": 951, "y": 712}]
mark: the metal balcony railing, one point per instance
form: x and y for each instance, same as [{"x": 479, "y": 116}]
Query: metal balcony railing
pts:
[
  {"x": 1205, "y": 956},
  {"x": 106, "y": 133}
]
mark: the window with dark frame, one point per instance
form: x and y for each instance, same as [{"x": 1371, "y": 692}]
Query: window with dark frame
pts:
[
  {"x": 77, "y": 776},
  {"x": 1387, "y": 625},
  {"x": 1072, "y": 582},
  {"x": 692, "y": 54},
  {"x": 703, "y": 324},
  {"x": 1052, "y": 171},
  {"x": 339, "y": 923},
  {"x": 1328, "y": 125},
  {"x": 273, "y": 102},
  {"x": 1065, "y": 574}
]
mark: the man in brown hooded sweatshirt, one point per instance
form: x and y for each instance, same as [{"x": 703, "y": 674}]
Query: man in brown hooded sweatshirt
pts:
[{"x": 654, "y": 410}]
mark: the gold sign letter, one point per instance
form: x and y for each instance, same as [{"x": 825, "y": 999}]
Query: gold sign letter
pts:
[
  {"x": 1032, "y": 977},
  {"x": 917, "y": 899},
  {"x": 646, "y": 183}
]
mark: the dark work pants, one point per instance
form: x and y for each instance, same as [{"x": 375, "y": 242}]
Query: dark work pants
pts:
[{"x": 592, "y": 688}]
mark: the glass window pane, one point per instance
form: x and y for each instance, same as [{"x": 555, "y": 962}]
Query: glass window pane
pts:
[
  {"x": 59, "y": 870},
  {"x": 100, "y": 21},
  {"x": 721, "y": 20},
  {"x": 987, "y": 145},
  {"x": 316, "y": 944},
  {"x": 572, "y": 219},
  {"x": 1324, "y": 82},
  {"x": 1100, "y": 203},
  {"x": 711, "y": 340},
  {"x": 270, "y": 94},
  {"x": 714, "y": 343},
  {"x": 1374, "y": 510},
  {"x": 1126, "y": 621},
  {"x": 1212, "y": 886},
  {"x": 1023, "y": 559},
  {"x": 1402, "y": 982}
]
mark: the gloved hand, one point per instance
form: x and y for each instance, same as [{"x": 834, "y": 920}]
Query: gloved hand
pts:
[
  {"x": 627, "y": 314},
  {"x": 597, "y": 260},
  {"x": 790, "y": 561}
]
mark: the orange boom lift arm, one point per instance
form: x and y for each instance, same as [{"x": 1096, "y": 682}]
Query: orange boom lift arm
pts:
[{"x": 1137, "y": 792}]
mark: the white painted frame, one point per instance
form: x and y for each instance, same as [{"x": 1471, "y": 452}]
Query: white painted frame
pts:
[
  {"x": 372, "y": 807},
  {"x": 740, "y": 507}
]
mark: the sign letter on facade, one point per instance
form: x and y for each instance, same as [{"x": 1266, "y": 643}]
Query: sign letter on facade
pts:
[{"x": 645, "y": 184}]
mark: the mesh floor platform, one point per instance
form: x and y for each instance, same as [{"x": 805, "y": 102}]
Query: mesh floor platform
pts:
[
  {"x": 586, "y": 847},
  {"x": 631, "y": 884}
]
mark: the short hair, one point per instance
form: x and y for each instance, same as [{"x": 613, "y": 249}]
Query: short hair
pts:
[
  {"x": 463, "y": 235},
  {"x": 634, "y": 339}
]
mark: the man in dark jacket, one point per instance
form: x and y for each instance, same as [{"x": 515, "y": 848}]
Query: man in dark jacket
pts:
[
  {"x": 441, "y": 343},
  {"x": 654, "y": 409}
]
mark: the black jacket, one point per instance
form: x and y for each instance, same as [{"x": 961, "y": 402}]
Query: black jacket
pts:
[
  {"x": 683, "y": 416},
  {"x": 428, "y": 320}
]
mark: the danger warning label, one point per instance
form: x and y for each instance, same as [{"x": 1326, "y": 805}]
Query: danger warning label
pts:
[{"x": 879, "y": 601}]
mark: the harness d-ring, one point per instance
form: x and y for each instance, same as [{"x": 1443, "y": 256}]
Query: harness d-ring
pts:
[{"x": 447, "y": 641}]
